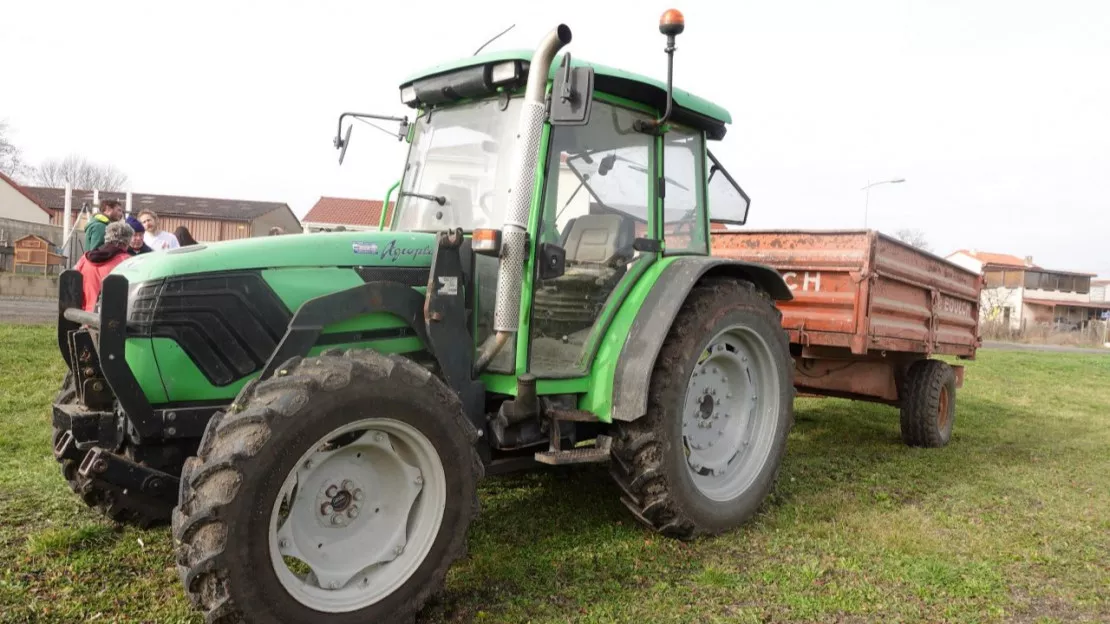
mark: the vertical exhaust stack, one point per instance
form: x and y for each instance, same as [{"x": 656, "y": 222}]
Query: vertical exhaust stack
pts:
[{"x": 514, "y": 236}]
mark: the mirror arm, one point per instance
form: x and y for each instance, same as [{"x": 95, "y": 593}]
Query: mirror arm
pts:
[{"x": 404, "y": 121}]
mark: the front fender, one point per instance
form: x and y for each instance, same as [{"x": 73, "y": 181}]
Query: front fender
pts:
[{"x": 652, "y": 324}]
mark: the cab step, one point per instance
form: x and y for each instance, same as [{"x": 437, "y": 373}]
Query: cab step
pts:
[{"x": 598, "y": 453}]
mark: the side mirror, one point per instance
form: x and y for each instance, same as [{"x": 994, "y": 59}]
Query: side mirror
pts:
[
  {"x": 572, "y": 95},
  {"x": 553, "y": 261},
  {"x": 345, "y": 142}
]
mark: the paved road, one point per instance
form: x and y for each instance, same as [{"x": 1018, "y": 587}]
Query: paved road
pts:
[
  {"x": 28, "y": 310},
  {"x": 1013, "y": 346}
]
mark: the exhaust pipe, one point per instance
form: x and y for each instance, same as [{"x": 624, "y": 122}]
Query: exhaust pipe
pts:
[{"x": 514, "y": 232}]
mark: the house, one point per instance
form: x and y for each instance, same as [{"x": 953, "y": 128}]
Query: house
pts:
[
  {"x": 208, "y": 219},
  {"x": 335, "y": 213},
  {"x": 1019, "y": 293},
  {"x": 17, "y": 204}
]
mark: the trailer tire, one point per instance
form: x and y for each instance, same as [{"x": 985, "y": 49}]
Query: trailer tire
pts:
[
  {"x": 654, "y": 460},
  {"x": 229, "y": 544},
  {"x": 928, "y": 407}
]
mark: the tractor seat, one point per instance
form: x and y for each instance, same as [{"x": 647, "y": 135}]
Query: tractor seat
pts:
[{"x": 596, "y": 238}]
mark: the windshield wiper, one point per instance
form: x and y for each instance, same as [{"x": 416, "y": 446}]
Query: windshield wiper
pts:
[{"x": 439, "y": 199}]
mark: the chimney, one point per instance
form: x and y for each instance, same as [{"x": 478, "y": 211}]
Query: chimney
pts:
[{"x": 1028, "y": 260}]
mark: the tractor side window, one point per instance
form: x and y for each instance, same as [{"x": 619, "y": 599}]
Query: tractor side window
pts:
[
  {"x": 596, "y": 205},
  {"x": 728, "y": 203},
  {"x": 683, "y": 201}
]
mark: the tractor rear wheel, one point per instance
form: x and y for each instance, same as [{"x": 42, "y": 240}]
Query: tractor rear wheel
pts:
[
  {"x": 340, "y": 490},
  {"x": 720, "y": 406}
]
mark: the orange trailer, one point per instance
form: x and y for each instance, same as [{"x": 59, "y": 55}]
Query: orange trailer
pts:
[{"x": 868, "y": 314}]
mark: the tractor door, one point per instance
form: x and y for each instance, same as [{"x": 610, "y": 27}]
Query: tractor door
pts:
[{"x": 596, "y": 204}]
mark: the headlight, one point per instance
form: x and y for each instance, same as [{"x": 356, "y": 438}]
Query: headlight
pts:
[
  {"x": 408, "y": 96},
  {"x": 141, "y": 297},
  {"x": 504, "y": 72}
]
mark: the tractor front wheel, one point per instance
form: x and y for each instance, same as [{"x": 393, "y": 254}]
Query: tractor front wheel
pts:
[
  {"x": 720, "y": 406},
  {"x": 340, "y": 490}
]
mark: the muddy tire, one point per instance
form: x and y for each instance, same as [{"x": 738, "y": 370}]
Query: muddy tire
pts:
[
  {"x": 322, "y": 443},
  {"x": 707, "y": 453},
  {"x": 928, "y": 407}
]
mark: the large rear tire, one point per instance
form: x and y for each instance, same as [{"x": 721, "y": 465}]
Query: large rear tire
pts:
[
  {"x": 338, "y": 491},
  {"x": 706, "y": 455}
]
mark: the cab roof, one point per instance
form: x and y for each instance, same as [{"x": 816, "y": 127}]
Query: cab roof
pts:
[{"x": 688, "y": 108}]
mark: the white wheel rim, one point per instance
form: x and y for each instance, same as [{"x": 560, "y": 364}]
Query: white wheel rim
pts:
[
  {"x": 358, "y": 516},
  {"x": 730, "y": 413}
]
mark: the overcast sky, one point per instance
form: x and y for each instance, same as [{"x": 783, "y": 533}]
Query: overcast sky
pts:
[{"x": 996, "y": 112}]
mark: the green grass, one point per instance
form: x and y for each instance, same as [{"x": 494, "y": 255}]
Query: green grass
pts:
[{"x": 1010, "y": 522}]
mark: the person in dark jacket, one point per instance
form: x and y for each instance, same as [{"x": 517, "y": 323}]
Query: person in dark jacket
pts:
[
  {"x": 110, "y": 212},
  {"x": 97, "y": 263},
  {"x": 138, "y": 245}
]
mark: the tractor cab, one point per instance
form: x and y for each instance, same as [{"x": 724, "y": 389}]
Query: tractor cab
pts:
[{"x": 606, "y": 174}]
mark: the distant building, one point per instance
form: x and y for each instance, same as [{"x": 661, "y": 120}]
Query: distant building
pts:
[
  {"x": 1022, "y": 294},
  {"x": 339, "y": 213},
  {"x": 1100, "y": 290},
  {"x": 18, "y": 204},
  {"x": 208, "y": 219}
]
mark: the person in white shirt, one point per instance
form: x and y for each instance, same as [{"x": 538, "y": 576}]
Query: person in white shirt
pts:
[{"x": 155, "y": 238}]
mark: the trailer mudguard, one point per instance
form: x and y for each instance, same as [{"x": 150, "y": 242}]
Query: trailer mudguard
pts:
[{"x": 632, "y": 374}]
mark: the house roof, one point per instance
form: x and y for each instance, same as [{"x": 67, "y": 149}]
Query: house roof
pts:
[
  {"x": 23, "y": 191},
  {"x": 41, "y": 238},
  {"x": 165, "y": 205},
  {"x": 997, "y": 259},
  {"x": 346, "y": 211}
]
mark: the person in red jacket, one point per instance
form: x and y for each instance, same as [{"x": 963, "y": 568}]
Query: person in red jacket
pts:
[{"x": 95, "y": 264}]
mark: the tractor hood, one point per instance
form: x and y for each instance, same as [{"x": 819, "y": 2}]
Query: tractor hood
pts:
[{"x": 331, "y": 249}]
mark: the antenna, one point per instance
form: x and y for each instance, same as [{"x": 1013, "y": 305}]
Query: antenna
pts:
[{"x": 495, "y": 37}]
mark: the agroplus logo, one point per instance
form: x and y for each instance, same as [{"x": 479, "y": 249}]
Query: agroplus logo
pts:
[{"x": 391, "y": 251}]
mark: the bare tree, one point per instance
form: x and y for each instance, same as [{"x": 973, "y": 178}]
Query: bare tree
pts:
[
  {"x": 11, "y": 157},
  {"x": 913, "y": 237},
  {"x": 81, "y": 173}
]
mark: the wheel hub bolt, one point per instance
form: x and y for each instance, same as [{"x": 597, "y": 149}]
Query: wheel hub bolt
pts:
[
  {"x": 325, "y": 509},
  {"x": 353, "y": 513},
  {"x": 332, "y": 490},
  {"x": 347, "y": 485},
  {"x": 337, "y": 519},
  {"x": 359, "y": 495}
]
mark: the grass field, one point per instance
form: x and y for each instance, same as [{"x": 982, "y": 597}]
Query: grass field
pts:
[{"x": 1010, "y": 522}]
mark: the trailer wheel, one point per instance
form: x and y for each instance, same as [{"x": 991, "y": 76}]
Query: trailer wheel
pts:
[
  {"x": 338, "y": 491},
  {"x": 928, "y": 408},
  {"x": 720, "y": 406}
]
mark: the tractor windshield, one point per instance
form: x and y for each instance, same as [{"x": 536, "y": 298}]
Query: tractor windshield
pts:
[{"x": 459, "y": 157}]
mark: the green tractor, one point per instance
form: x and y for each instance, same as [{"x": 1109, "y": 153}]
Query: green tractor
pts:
[{"x": 313, "y": 413}]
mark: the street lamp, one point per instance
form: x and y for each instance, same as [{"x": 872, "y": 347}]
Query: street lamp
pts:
[{"x": 867, "y": 196}]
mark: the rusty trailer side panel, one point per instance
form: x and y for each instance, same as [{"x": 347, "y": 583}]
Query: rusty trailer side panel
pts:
[{"x": 865, "y": 291}]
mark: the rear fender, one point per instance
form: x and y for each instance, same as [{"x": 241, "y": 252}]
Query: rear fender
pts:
[{"x": 632, "y": 373}]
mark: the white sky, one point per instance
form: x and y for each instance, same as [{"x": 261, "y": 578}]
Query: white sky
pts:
[{"x": 996, "y": 112}]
